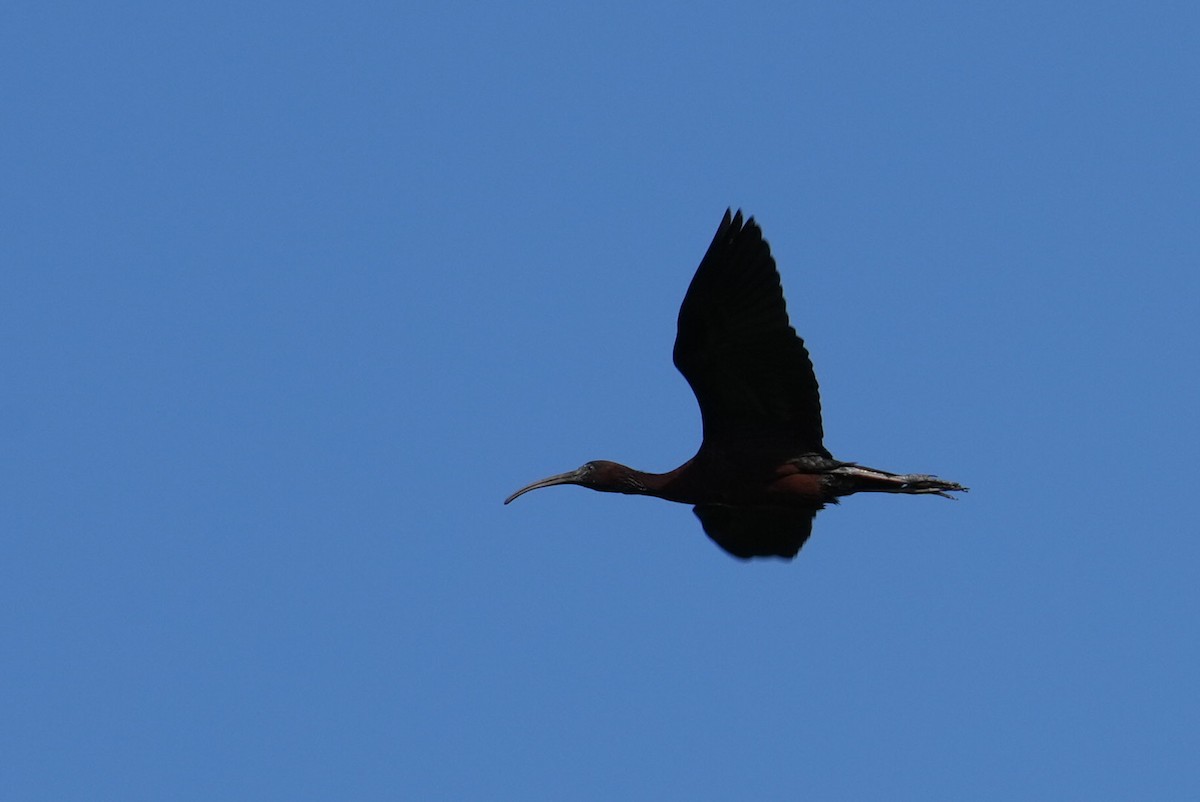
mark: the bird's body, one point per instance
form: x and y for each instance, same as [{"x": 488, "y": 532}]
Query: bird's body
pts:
[{"x": 762, "y": 471}]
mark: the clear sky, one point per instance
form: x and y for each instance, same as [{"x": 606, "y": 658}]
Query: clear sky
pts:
[{"x": 295, "y": 294}]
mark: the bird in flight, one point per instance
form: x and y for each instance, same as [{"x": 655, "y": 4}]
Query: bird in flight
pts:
[{"x": 762, "y": 471}]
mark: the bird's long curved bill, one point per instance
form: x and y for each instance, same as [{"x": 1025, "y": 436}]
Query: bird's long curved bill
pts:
[{"x": 570, "y": 477}]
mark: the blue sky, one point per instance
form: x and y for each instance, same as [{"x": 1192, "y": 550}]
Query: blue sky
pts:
[{"x": 295, "y": 294}]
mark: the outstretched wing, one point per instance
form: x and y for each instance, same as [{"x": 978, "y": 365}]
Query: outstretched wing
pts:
[
  {"x": 747, "y": 532},
  {"x": 751, "y": 374}
]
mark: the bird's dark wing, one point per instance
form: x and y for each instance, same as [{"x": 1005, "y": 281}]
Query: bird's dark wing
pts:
[
  {"x": 750, "y": 372},
  {"x": 747, "y": 532}
]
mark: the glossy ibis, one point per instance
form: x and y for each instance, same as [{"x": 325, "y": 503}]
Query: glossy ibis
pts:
[{"x": 762, "y": 471}]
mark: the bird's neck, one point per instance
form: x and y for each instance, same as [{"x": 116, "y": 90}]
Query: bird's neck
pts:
[{"x": 672, "y": 485}]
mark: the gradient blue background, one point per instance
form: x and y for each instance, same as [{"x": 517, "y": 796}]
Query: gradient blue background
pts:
[{"x": 295, "y": 294}]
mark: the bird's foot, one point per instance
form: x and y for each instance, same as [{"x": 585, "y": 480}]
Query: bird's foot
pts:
[{"x": 920, "y": 483}]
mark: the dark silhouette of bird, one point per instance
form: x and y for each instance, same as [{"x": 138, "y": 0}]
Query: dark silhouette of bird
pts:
[{"x": 762, "y": 471}]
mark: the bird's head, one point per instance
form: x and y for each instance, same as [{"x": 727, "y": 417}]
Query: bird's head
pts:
[{"x": 609, "y": 477}]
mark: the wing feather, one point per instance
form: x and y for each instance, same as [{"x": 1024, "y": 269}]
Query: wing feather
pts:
[
  {"x": 751, "y": 374},
  {"x": 747, "y": 532}
]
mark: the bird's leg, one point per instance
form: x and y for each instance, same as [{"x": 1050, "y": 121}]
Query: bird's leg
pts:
[{"x": 847, "y": 479}]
